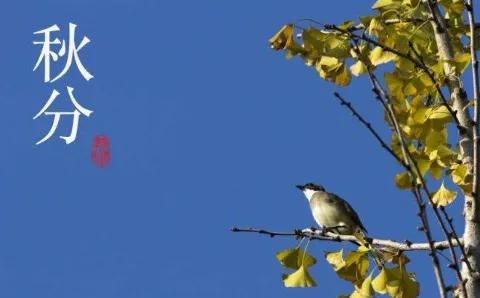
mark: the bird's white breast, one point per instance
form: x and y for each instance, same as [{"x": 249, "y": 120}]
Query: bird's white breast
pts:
[{"x": 309, "y": 193}]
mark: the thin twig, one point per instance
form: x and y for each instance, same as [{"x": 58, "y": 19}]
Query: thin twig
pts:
[{"x": 368, "y": 125}]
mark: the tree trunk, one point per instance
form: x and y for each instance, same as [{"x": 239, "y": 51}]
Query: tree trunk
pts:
[{"x": 471, "y": 236}]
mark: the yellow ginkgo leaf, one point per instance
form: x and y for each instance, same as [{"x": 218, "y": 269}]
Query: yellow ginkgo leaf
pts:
[
  {"x": 358, "y": 68},
  {"x": 335, "y": 258},
  {"x": 459, "y": 174},
  {"x": 282, "y": 38},
  {"x": 435, "y": 138},
  {"x": 353, "y": 268},
  {"x": 403, "y": 181},
  {"x": 440, "y": 114},
  {"x": 299, "y": 279},
  {"x": 436, "y": 171},
  {"x": 443, "y": 196},
  {"x": 366, "y": 288},
  {"x": 379, "y": 56},
  {"x": 295, "y": 258}
]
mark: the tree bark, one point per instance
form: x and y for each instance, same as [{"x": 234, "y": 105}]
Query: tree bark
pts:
[{"x": 471, "y": 236}]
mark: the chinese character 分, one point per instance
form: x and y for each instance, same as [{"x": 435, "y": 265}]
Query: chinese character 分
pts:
[
  {"x": 47, "y": 55},
  {"x": 76, "y": 115}
]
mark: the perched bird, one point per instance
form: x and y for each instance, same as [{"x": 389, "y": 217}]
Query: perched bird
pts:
[{"x": 331, "y": 212}]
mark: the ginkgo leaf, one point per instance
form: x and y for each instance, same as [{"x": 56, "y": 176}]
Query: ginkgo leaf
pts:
[
  {"x": 396, "y": 282},
  {"x": 358, "y": 68},
  {"x": 403, "y": 181},
  {"x": 299, "y": 279},
  {"x": 443, "y": 156},
  {"x": 366, "y": 289},
  {"x": 295, "y": 258},
  {"x": 282, "y": 38},
  {"x": 392, "y": 255},
  {"x": 353, "y": 268},
  {"x": 375, "y": 26},
  {"x": 335, "y": 259},
  {"x": 379, "y": 56},
  {"x": 461, "y": 62},
  {"x": 382, "y": 3},
  {"x": 410, "y": 89},
  {"x": 443, "y": 196},
  {"x": 419, "y": 115},
  {"x": 394, "y": 84},
  {"x": 410, "y": 287},
  {"x": 379, "y": 284},
  {"x": 439, "y": 113},
  {"x": 435, "y": 138},
  {"x": 459, "y": 174},
  {"x": 423, "y": 165},
  {"x": 436, "y": 170}
]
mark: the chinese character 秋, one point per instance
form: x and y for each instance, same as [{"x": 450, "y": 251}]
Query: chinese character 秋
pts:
[{"x": 47, "y": 54}]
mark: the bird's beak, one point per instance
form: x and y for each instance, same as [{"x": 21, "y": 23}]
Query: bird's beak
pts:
[{"x": 300, "y": 187}]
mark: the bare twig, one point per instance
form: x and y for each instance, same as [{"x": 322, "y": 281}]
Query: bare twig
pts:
[
  {"x": 368, "y": 125},
  {"x": 329, "y": 236}
]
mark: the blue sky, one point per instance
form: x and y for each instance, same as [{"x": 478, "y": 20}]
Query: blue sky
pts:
[{"x": 209, "y": 129}]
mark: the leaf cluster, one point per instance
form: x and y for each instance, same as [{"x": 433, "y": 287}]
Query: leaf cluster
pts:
[{"x": 400, "y": 38}]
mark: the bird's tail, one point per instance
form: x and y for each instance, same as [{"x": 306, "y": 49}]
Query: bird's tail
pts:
[{"x": 365, "y": 241}]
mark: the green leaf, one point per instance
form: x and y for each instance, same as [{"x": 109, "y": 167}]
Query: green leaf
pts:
[
  {"x": 435, "y": 139},
  {"x": 394, "y": 84},
  {"x": 436, "y": 171},
  {"x": 462, "y": 61},
  {"x": 324, "y": 44},
  {"x": 299, "y": 279},
  {"x": 295, "y": 258},
  {"x": 443, "y": 196},
  {"x": 403, "y": 181}
]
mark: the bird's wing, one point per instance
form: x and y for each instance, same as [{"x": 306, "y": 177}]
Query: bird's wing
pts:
[{"x": 344, "y": 204}]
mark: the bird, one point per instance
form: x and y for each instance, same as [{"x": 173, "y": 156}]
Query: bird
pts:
[{"x": 331, "y": 212}]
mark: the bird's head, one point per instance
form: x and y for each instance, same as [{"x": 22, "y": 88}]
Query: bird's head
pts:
[
  {"x": 309, "y": 189},
  {"x": 311, "y": 186}
]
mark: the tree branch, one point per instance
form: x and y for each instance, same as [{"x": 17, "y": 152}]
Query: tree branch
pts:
[
  {"x": 418, "y": 63},
  {"x": 329, "y": 236},
  {"x": 383, "y": 97},
  {"x": 476, "y": 95}
]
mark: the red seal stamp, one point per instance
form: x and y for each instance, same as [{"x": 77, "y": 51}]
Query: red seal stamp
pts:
[{"x": 101, "y": 151}]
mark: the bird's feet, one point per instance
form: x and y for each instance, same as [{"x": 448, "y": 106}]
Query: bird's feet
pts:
[{"x": 312, "y": 230}]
